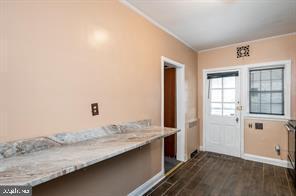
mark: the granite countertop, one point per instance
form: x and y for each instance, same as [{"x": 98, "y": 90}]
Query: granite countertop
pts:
[{"x": 41, "y": 166}]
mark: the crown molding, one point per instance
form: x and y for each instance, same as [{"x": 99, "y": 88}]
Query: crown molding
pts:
[
  {"x": 132, "y": 7},
  {"x": 247, "y": 42}
]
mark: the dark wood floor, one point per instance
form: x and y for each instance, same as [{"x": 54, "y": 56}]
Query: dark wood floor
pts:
[{"x": 215, "y": 174}]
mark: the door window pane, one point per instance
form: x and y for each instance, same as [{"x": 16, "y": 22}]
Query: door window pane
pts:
[
  {"x": 223, "y": 96},
  {"x": 229, "y": 95},
  {"x": 216, "y": 96},
  {"x": 216, "y": 112},
  {"x": 216, "y": 83},
  {"x": 216, "y": 109},
  {"x": 229, "y": 82},
  {"x": 229, "y": 106}
]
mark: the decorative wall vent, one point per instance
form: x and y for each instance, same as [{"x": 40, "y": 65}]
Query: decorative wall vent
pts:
[{"x": 242, "y": 51}]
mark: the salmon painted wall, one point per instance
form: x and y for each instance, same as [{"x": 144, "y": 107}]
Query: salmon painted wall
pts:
[
  {"x": 265, "y": 50},
  {"x": 58, "y": 57},
  {"x": 263, "y": 142}
]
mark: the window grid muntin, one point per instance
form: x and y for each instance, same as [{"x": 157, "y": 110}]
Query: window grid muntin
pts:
[
  {"x": 222, "y": 97},
  {"x": 270, "y": 91}
]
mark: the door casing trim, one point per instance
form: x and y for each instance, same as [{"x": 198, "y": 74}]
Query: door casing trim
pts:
[{"x": 181, "y": 107}]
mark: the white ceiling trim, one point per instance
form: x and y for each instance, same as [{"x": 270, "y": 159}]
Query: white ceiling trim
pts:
[
  {"x": 251, "y": 41},
  {"x": 132, "y": 7}
]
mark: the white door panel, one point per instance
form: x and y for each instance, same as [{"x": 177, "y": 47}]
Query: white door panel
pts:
[{"x": 222, "y": 118}]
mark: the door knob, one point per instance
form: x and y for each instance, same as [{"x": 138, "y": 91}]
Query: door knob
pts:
[{"x": 237, "y": 119}]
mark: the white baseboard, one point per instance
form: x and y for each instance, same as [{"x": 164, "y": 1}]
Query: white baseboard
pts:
[
  {"x": 277, "y": 162},
  {"x": 201, "y": 148},
  {"x": 141, "y": 190},
  {"x": 261, "y": 159}
]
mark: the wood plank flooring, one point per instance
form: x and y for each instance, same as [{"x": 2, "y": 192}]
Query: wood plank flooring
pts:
[{"x": 215, "y": 174}]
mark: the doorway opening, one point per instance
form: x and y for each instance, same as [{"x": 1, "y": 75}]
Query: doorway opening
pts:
[
  {"x": 170, "y": 117},
  {"x": 173, "y": 112}
]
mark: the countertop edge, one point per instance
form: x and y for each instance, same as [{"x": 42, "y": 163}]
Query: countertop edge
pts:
[{"x": 74, "y": 168}]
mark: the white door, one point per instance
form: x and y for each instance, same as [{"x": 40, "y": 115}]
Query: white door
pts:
[{"x": 222, "y": 128}]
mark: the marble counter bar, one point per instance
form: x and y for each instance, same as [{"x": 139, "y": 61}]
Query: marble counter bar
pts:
[{"x": 40, "y": 166}]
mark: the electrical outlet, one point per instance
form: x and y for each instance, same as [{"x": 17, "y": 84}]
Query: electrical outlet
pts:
[{"x": 94, "y": 109}]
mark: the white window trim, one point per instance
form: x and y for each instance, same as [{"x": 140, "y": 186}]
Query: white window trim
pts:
[{"x": 287, "y": 88}]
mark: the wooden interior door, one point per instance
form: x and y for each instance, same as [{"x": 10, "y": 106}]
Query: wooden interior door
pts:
[{"x": 170, "y": 110}]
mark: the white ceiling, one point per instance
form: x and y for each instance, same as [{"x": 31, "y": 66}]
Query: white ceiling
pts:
[{"x": 205, "y": 24}]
